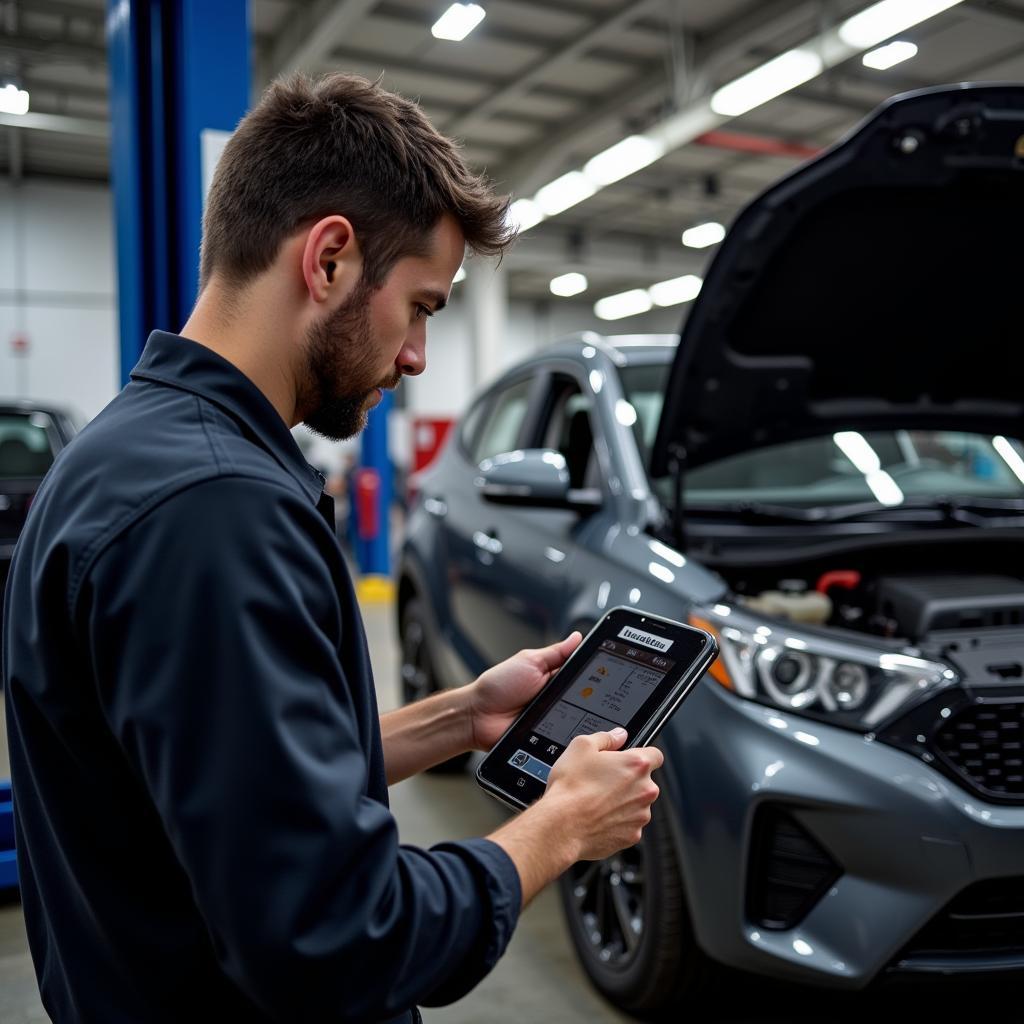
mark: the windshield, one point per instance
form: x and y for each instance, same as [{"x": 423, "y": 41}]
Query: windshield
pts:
[
  {"x": 24, "y": 445},
  {"x": 883, "y": 466}
]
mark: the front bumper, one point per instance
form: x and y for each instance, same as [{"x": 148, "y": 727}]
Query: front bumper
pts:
[{"x": 907, "y": 839}]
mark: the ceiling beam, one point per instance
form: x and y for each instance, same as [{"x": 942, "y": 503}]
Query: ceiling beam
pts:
[
  {"x": 309, "y": 35},
  {"x": 712, "y": 51},
  {"x": 59, "y": 123},
  {"x": 25, "y": 46},
  {"x": 993, "y": 11},
  {"x": 604, "y": 260},
  {"x": 599, "y": 33},
  {"x": 419, "y": 67}
]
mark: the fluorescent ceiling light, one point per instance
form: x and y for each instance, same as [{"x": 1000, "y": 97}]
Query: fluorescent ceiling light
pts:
[
  {"x": 884, "y": 488},
  {"x": 615, "y": 307},
  {"x": 523, "y": 214},
  {"x": 856, "y": 448},
  {"x": 764, "y": 83},
  {"x": 13, "y": 100},
  {"x": 890, "y": 55},
  {"x": 679, "y": 289},
  {"x": 1010, "y": 456},
  {"x": 623, "y": 159},
  {"x": 460, "y": 275},
  {"x": 568, "y": 284},
  {"x": 882, "y": 20},
  {"x": 703, "y": 235},
  {"x": 563, "y": 192},
  {"x": 458, "y": 21}
]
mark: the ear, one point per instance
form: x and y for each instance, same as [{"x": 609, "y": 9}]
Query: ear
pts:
[{"x": 332, "y": 262}]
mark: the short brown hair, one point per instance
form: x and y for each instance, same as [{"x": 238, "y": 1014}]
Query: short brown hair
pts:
[{"x": 341, "y": 144}]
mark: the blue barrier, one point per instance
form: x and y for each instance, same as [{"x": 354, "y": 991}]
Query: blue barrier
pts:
[{"x": 8, "y": 863}]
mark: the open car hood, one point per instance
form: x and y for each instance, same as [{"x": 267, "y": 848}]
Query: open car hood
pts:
[{"x": 879, "y": 286}]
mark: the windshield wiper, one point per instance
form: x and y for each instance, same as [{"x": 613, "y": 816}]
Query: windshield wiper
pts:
[{"x": 969, "y": 511}]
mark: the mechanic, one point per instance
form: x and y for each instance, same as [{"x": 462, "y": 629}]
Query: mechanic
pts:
[{"x": 199, "y": 767}]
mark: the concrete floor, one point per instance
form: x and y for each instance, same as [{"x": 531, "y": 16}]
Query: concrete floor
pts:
[{"x": 538, "y": 979}]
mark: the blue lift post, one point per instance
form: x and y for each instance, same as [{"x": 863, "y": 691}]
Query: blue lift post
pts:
[
  {"x": 374, "y": 553},
  {"x": 177, "y": 68}
]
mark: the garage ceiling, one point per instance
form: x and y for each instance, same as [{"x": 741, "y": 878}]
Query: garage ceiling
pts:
[{"x": 535, "y": 91}]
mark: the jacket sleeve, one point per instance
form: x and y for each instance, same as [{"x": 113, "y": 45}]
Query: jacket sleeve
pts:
[{"x": 214, "y": 627}]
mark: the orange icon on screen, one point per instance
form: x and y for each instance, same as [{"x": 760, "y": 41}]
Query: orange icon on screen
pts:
[
  {"x": 602, "y": 671},
  {"x": 586, "y": 691}
]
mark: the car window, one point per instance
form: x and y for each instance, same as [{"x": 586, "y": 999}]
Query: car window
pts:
[
  {"x": 470, "y": 426},
  {"x": 501, "y": 431},
  {"x": 644, "y": 388},
  {"x": 849, "y": 466},
  {"x": 569, "y": 430},
  {"x": 25, "y": 449}
]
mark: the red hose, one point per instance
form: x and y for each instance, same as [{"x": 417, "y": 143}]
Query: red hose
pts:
[{"x": 846, "y": 578}]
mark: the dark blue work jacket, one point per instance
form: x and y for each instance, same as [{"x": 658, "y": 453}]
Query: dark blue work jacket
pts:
[{"x": 201, "y": 806}]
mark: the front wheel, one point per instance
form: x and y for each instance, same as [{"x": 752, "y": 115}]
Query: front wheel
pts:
[
  {"x": 629, "y": 924},
  {"x": 418, "y": 679}
]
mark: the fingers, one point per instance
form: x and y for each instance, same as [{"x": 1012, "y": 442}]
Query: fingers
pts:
[
  {"x": 608, "y": 740},
  {"x": 554, "y": 656}
]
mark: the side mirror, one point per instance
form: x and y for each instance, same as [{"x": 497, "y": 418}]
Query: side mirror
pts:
[{"x": 534, "y": 477}]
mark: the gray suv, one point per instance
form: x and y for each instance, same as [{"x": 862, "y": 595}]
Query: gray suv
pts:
[{"x": 827, "y": 472}]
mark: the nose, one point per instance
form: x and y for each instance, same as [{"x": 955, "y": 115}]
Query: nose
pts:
[{"x": 412, "y": 358}]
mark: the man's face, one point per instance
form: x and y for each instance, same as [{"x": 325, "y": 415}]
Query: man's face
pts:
[{"x": 375, "y": 337}]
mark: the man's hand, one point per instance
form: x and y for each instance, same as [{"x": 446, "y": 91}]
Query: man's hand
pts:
[
  {"x": 597, "y": 802},
  {"x": 500, "y": 694}
]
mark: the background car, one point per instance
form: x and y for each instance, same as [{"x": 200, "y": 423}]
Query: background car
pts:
[
  {"x": 843, "y": 796},
  {"x": 30, "y": 438}
]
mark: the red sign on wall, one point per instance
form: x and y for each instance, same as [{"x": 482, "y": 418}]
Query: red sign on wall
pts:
[{"x": 428, "y": 437}]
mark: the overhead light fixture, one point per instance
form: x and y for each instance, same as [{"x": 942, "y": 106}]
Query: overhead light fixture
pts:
[
  {"x": 883, "y": 20},
  {"x": 523, "y": 214},
  {"x": 703, "y": 235},
  {"x": 460, "y": 275},
  {"x": 568, "y": 284},
  {"x": 1010, "y": 456},
  {"x": 764, "y": 83},
  {"x": 678, "y": 289},
  {"x": 856, "y": 447},
  {"x": 13, "y": 100},
  {"x": 623, "y": 159},
  {"x": 890, "y": 55},
  {"x": 615, "y": 307},
  {"x": 458, "y": 21},
  {"x": 563, "y": 192}
]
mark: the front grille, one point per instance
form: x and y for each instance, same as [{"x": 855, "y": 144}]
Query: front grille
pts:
[
  {"x": 984, "y": 744},
  {"x": 789, "y": 871},
  {"x": 982, "y": 927}
]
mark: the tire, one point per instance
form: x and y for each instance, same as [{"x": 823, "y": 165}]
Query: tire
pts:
[
  {"x": 417, "y": 677},
  {"x": 638, "y": 890}
]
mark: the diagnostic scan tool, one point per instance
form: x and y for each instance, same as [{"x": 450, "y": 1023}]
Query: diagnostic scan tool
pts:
[{"x": 632, "y": 670}]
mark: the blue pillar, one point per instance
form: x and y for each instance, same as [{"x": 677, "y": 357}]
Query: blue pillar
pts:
[
  {"x": 374, "y": 553},
  {"x": 177, "y": 68}
]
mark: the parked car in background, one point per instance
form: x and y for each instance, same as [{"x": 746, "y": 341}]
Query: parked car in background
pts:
[
  {"x": 31, "y": 435},
  {"x": 827, "y": 472}
]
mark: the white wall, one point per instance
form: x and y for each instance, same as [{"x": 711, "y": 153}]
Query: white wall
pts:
[
  {"x": 447, "y": 385},
  {"x": 57, "y": 290}
]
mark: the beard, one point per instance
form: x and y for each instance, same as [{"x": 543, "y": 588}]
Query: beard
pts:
[{"x": 340, "y": 348}]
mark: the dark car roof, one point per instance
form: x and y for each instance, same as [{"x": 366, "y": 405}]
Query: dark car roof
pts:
[{"x": 623, "y": 349}]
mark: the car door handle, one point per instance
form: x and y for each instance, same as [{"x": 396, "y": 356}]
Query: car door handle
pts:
[
  {"x": 436, "y": 507},
  {"x": 488, "y": 542}
]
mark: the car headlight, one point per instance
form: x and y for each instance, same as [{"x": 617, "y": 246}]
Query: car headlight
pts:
[{"x": 834, "y": 680}]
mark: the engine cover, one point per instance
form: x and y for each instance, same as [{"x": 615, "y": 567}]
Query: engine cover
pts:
[{"x": 921, "y": 604}]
